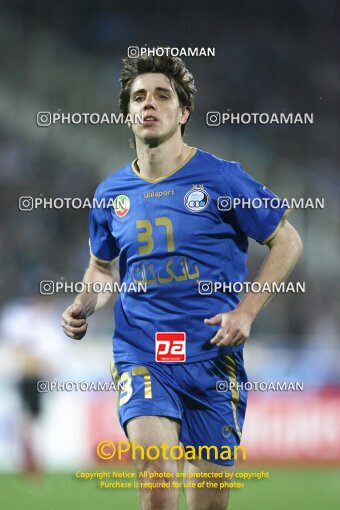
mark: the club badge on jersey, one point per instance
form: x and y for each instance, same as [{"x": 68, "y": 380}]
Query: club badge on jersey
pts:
[{"x": 197, "y": 199}]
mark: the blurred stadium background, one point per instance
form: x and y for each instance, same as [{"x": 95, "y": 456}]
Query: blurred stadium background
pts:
[{"x": 270, "y": 57}]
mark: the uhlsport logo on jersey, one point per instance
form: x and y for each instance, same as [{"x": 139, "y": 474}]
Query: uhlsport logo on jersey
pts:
[
  {"x": 121, "y": 205},
  {"x": 170, "y": 346},
  {"x": 197, "y": 199}
]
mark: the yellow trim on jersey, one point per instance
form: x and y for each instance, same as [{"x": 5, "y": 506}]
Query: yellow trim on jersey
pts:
[
  {"x": 278, "y": 228},
  {"x": 134, "y": 168},
  {"x": 235, "y": 395},
  {"x": 114, "y": 373},
  {"x": 116, "y": 378}
]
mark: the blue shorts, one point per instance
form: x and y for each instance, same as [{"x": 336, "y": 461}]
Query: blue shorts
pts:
[{"x": 204, "y": 396}]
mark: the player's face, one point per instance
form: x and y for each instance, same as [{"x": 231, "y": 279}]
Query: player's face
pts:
[{"x": 152, "y": 95}]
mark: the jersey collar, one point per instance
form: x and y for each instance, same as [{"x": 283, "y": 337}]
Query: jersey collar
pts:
[{"x": 135, "y": 171}]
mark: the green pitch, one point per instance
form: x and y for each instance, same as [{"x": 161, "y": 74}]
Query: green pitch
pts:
[{"x": 289, "y": 488}]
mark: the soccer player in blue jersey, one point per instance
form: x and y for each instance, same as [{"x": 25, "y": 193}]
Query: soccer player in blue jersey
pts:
[{"x": 175, "y": 341}]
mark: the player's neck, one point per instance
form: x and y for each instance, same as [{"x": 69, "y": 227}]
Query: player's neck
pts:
[{"x": 156, "y": 162}]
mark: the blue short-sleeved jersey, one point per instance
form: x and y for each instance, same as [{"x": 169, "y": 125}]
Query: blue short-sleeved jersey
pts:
[{"x": 170, "y": 234}]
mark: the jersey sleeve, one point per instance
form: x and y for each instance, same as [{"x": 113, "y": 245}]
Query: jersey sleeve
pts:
[
  {"x": 103, "y": 245},
  {"x": 257, "y": 211}
]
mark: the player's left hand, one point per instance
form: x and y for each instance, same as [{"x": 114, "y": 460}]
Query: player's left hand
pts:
[{"x": 234, "y": 330}]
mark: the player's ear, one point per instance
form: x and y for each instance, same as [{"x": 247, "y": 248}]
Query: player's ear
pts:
[{"x": 185, "y": 115}]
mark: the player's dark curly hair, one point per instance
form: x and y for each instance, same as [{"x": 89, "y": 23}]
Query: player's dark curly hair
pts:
[{"x": 173, "y": 67}]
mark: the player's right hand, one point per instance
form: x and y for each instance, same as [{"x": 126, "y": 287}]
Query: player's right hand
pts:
[{"x": 73, "y": 322}]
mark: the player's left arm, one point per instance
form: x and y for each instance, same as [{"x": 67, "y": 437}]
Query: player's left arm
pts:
[{"x": 285, "y": 250}]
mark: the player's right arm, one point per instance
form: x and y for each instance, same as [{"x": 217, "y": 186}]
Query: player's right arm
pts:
[{"x": 73, "y": 320}]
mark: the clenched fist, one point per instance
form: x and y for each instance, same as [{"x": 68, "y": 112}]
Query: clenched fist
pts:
[{"x": 73, "y": 322}]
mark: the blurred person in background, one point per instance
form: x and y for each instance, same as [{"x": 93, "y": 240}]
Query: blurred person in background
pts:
[{"x": 36, "y": 351}]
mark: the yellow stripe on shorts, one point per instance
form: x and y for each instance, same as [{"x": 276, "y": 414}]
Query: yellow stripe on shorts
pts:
[{"x": 235, "y": 394}]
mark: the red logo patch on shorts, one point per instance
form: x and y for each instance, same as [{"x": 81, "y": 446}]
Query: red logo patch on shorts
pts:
[{"x": 170, "y": 346}]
